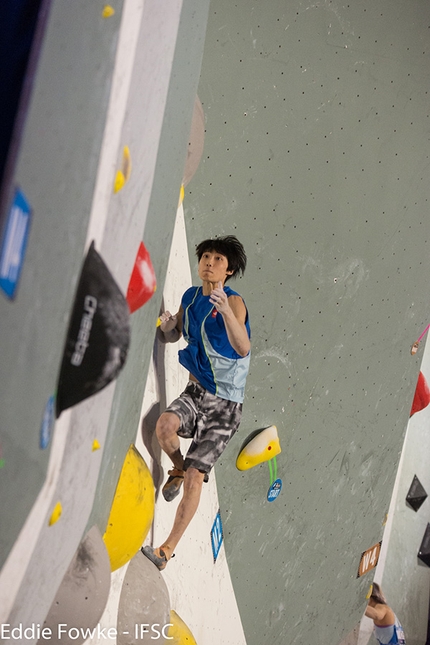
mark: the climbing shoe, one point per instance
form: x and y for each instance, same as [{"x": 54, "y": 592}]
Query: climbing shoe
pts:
[
  {"x": 157, "y": 556},
  {"x": 173, "y": 485}
]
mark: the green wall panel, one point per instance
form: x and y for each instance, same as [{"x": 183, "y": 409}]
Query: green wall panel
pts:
[{"x": 316, "y": 156}]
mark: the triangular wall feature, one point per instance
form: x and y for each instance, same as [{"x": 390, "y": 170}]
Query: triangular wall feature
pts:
[
  {"x": 416, "y": 495},
  {"x": 424, "y": 550}
]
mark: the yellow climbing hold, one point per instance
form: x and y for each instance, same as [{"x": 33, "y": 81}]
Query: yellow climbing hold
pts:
[
  {"x": 179, "y": 633},
  {"x": 56, "y": 514},
  {"x": 96, "y": 445},
  {"x": 108, "y": 11},
  {"x": 123, "y": 175},
  {"x": 369, "y": 593},
  {"x": 181, "y": 195},
  {"x": 132, "y": 510},
  {"x": 119, "y": 181},
  {"x": 262, "y": 447}
]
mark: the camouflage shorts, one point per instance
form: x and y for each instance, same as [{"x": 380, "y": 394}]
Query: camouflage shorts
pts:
[{"x": 208, "y": 420}]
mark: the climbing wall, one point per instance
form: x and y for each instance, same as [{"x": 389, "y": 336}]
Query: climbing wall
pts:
[
  {"x": 101, "y": 159},
  {"x": 316, "y": 157},
  {"x": 410, "y": 517},
  {"x": 59, "y": 196}
]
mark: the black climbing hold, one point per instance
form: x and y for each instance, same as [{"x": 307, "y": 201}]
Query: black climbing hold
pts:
[
  {"x": 424, "y": 550},
  {"x": 98, "y": 337},
  {"x": 416, "y": 495}
]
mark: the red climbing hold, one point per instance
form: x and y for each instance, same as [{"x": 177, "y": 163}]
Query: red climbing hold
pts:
[
  {"x": 142, "y": 282},
  {"x": 421, "y": 396}
]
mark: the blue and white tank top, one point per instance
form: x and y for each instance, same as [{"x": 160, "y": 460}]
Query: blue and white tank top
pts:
[
  {"x": 391, "y": 634},
  {"x": 209, "y": 357}
]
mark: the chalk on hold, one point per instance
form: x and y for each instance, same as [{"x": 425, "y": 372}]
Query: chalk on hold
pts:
[
  {"x": 260, "y": 446},
  {"x": 108, "y": 11},
  {"x": 144, "y": 601},
  {"x": 179, "y": 633},
  {"x": 82, "y": 595},
  {"x": 56, "y": 514},
  {"x": 123, "y": 175},
  {"x": 96, "y": 445},
  {"x": 143, "y": 283},
  {"x": 414, "y": 348}
]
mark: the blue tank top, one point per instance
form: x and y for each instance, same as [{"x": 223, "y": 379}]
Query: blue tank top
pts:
[{"x": 209, "y": 357}]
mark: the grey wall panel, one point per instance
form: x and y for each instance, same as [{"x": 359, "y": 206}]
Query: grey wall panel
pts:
[
  {"x": 157, "y": 235},
  {"x": 156, "y": 127},
  {"x": 56, "y": 169},
  {"x": 316, "y": 150}
]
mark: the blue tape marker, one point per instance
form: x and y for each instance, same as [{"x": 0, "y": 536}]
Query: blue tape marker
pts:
[
  {"x": 216, "y": 535},
  {"x": 47, "y": 423},
  {"x": 274, "y": 490},
  {"x": 14, "y": 243}
]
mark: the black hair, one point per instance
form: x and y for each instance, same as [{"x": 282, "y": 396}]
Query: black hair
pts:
[
  {"x": 229, "y": 246},
  {"x": 377, "y": 594}
]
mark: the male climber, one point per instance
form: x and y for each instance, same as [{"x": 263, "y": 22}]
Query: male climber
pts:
[{"x": 214, "y": 322}]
